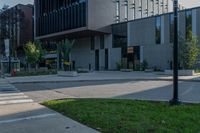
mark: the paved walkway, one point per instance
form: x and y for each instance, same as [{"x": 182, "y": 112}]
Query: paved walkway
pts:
[
  {"x": 19, "y": 114},
  {"x": 126, "y": 89},
  {"x": 95, "y": 76},
  {"x": 10, "y": 95}
]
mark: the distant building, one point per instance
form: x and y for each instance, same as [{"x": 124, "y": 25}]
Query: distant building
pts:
[
  {"x": 16, "y": 24},
  {"x": 108, "y": 32}
]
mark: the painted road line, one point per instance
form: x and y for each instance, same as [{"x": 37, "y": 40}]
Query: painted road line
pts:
[
  {"x": 28, "y": 118},
  {"x": 16, "y": 101},
  {"x": 13, "y": 97},
  {"x": 10, "y": 94}
]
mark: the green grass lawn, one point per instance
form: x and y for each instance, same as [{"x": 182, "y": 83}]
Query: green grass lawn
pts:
[{"x": 127, "y": 116}]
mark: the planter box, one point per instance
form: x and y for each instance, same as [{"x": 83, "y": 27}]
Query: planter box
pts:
[
  {"x": 181, "y": 72},
  {"x": 82, "y": 70},
  {"x": 126, "y": 70},
  {"x": 149, "y": 70},
  {"x": 67, "y": 73}
]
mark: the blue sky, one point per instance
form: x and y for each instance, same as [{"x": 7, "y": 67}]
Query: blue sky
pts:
[
  {"x": 186, "y": 3},
  {"x": 14, "y": 2}
]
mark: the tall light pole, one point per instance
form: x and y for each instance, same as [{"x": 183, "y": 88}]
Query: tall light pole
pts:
[{"x": 175, "y": 99}]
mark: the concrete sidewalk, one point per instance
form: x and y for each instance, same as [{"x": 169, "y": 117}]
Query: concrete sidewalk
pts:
[
  {"x": 35, "y": 118},
  {"x": 19, "y": 114},
  {"x": 95, "y": 76}
]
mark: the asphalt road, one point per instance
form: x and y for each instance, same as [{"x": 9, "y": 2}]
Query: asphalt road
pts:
[{"x": 141, "y": 90}]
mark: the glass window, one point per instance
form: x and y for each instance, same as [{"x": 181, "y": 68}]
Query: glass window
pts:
[
  {"x": 171, "y": 27},
  {"x": 117, "y": 11},
  {"x": 119, "y": 32},
  {"x": 188, "y": 24},
  {"x": 61, "y": 15},
  {"x": 133, "y": 9},
  {"x": 152, "y": 7},
  {"x": 126, "y": 10},
  {"x": 158, "y": 30},
  {"x": 140, "y": 7}
]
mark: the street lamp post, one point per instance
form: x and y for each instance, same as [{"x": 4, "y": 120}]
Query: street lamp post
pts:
[{"x": 175, "y": 99}]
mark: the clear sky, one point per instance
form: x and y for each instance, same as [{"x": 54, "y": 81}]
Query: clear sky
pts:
[
  {"x": 14, "y": 2},
  {"x": 186, "y": 3}
]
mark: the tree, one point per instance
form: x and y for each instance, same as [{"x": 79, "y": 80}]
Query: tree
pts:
[
  {"x": 188, "y": 51},
  {"x": 34, "y": 53},
  {"x": 42, "y": 52},
  {"x": 65, "y": 49}
]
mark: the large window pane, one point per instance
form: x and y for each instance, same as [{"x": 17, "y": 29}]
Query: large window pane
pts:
[
  {"x": 158, "y": 30},
  {"x": 119, "y": 35},
  {"x": 60, "y": 15},
  {"x": 188, "y": 24}
]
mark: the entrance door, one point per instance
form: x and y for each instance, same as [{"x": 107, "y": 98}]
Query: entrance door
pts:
[
  {"x": 106, "y": 59},
  {"x": 130, "y": 57},
  {"x": 97, "y": 60},
  {"x": 133, "y": 57},
  {"x": 130, "y": 60}
]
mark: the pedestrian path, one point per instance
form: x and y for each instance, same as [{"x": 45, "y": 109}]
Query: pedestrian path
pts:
[
  {"x": 20, "y": 114},
  {"x": 9, "y": 94}
]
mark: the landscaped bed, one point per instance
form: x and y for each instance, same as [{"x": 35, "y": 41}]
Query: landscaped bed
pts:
[
  {"x": 128, "y": 116},
  {"x": 36, "y": 73}
]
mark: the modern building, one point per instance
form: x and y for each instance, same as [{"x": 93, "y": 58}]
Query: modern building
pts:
[
  {"x": 151, "y": 38},
  {"x": 134, "y": 9},
  {"x": 108, "y": 32},
  {"x": 16, "y": 24}
]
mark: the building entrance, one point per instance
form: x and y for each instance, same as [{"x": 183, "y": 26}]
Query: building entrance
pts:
[{"x": 132, "y": 59}]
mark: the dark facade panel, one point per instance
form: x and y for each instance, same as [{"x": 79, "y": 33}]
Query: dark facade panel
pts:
[{"x": 57, "y": 16}]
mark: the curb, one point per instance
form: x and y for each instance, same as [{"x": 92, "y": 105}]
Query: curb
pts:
[{"x": 101, "y": 80}]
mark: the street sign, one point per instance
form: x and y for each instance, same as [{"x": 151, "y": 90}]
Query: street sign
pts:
[{"x": 7, "y": 47}]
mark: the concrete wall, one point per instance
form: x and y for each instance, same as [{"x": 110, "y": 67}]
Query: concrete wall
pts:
[
  {"x": 142, "y": 33},
  {"x": 114, "y": 54},
  {"x": 101, "y": 13},
  {"x": 182, "y": 23},
  {"x": 84, "y": 56}
]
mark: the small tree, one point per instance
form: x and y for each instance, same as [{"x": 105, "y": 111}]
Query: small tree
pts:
[
  {"x": 188, "y": 51},
  {"x": 42, "y": 52},
  {"x": 34, "y": 53},
  {"x": 66, "y": 48}
]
